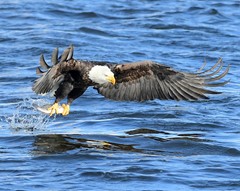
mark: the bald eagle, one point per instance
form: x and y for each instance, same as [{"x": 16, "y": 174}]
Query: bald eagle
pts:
[{"x": 137, "y": 81}]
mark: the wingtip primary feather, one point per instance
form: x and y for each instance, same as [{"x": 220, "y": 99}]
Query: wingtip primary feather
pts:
[
  {"x": 70, "y": 54},
  {"x": 39, "y": 71},
  {"x": 43, "y": 62},
  {"x": 67, "y": 54},
  {"x": 201, "y": 71},
  {"x": 54, "y": 58},
  {"x": 220, "y": 76},
  {"x": 64, "y": 55}
]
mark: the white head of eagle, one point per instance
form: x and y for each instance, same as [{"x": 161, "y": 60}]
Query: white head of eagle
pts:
[{"x": 101, "y": 75}]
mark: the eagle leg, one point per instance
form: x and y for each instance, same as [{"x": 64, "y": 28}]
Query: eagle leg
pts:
[
  {"x": 53, "y": 109},
  {"x": 66, "y": 109}
]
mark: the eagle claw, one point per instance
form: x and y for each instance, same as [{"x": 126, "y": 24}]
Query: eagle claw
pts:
[
  {"x": 53, "y": 109},
  {"x": 66, "y": 109}
]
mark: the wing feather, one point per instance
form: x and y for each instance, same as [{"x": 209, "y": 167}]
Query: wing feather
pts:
[
  {"x": 160, "y": 90},
  {"x": 132, "y": 90},
  {"x": 50, "y": 79},
  {"x": 54, "y": 58},
  {"x": 164, "y": 89},
  {"x": 43, "y": 62},
  {"x": 137, "y": 92},
  {"x": 143, "y": 89},
  {"x": 122, "y": 92},
  {"x": 47, "y": 83},
  {"x": 147, "y": 80},
  {"x": 192, "y": 92},
  {"x": 152, "y": 85},
  {"x": 175, "y": 92}
]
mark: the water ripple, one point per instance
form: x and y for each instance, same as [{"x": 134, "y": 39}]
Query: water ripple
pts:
[{"x": 107, "y": 144}]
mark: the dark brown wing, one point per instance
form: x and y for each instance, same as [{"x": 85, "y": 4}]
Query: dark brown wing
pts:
[
  {"x": 50, "y": 79},
  {"x": 147, "y": 80}
]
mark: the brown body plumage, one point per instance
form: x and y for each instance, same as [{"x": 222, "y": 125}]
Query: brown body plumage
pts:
[{"x": 138, "y": 81}]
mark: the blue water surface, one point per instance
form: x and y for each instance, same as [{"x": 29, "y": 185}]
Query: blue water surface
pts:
[{"x": 110, "y": 145}]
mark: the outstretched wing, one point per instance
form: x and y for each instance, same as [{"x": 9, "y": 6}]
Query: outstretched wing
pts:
[
  {"x": 147, "y": 80},
  {"x": 52, "y": 77}
]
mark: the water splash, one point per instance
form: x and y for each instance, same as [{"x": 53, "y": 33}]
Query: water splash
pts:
[{"x": 26, "y": 118}]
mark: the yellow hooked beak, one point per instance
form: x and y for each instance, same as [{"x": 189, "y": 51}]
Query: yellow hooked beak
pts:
[{"x": 111, "y": 79}]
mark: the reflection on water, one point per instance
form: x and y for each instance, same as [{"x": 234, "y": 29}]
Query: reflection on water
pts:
[
  {"x": 145, "y": 143},
  {"x": 48, "y": 144}
]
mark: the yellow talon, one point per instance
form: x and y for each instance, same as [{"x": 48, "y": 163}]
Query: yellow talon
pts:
[
  {"x": 66, "y": 109},
  {"x": 53, "y": 109}
]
